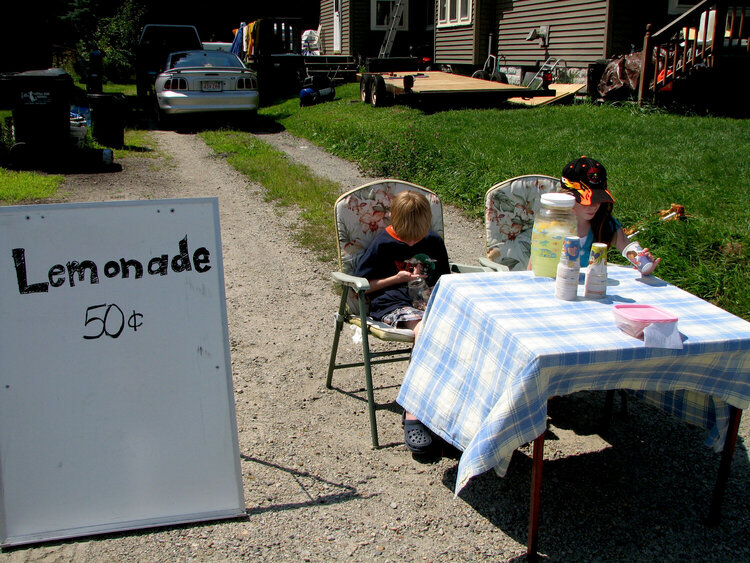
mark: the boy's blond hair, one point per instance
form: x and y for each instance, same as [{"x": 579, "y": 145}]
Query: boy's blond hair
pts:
[{"x": 411, "y": 215}]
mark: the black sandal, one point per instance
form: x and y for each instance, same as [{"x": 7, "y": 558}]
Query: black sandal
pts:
[{"x": 417, "y": 436}]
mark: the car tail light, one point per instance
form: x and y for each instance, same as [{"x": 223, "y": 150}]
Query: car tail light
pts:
[
  {"x": 246, "y": 84},
  {"x": 176, "y": 84}
]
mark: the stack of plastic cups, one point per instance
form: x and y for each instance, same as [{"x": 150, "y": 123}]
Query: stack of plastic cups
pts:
[
  {"x": 595, "y": 286},
  {"x": 566, "y": 283}
]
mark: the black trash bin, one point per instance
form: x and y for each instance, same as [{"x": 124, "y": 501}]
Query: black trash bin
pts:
[
  {"x": 108, "y": 119},
  {"x": 40, "y": 101}
]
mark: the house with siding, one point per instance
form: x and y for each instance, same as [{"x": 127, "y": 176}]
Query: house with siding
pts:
[
  {"x": 579, "y": 32},
  {"x": 461, "y": 33},
  {"x": 358, "y": 27},
  {"x": 523, "y": 34}
]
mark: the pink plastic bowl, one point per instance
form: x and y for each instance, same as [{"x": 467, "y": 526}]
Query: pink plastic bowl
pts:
[{"x": 632, "y": 318}]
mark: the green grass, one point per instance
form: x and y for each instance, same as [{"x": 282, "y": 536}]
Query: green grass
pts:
[
  {"x": 138, "y": 142},
  {"x": 653, "y": 159},
  {"x": 26, "y": 187},
  {"x": 287, "y": 184}
]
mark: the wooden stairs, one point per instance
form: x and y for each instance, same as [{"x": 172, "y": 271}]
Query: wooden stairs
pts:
[{"x": 710, "y": 38}]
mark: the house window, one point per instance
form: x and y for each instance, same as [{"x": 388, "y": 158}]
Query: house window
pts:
[
  {"x": 380, "y": 14},
  {"x": 454, "y": 12}
]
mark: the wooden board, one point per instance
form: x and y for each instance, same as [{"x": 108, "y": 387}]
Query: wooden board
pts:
[
  {"x": 562, "y": 91},
  {"x": 436, "y": 82}
]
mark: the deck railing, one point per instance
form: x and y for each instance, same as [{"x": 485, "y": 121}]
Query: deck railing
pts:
[{"x": 692, "y": 41}]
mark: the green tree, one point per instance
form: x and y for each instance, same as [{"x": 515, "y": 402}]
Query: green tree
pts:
[{"x": 117, "y": 37}]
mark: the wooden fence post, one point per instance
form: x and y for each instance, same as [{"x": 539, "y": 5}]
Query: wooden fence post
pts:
[{"x": 646, "y": 65}]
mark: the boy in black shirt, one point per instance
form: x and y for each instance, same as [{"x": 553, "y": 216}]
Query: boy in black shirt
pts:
[{"x": 405, "y": 254}]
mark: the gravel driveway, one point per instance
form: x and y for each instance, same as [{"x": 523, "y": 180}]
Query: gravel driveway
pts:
[{"x": 316, "y": 491}]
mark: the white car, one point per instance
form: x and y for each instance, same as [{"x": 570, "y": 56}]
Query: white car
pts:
[{"x": 206, "y": 82}]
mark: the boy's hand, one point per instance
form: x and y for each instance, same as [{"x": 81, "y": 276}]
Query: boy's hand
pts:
[{"x": 404, "y": 276}]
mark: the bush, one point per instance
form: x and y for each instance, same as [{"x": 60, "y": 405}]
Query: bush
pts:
[{"x": 117, "y": 37}]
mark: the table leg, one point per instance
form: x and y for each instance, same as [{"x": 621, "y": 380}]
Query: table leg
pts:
[
  {"x": 536, "y": 496},
  {"x": 735, "y": 415}
]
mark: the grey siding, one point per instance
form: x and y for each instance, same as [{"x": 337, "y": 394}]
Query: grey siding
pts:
[
  {"x": 358, "y": 39},
  {"x": 326, "y": 25},
  {"x": 457, "y": 44},
  {"x": 578, "y": 30}
]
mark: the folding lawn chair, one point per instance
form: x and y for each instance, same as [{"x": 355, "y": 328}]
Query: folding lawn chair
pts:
[
  {"x": 509, "y": 210},
  {"x": 360, "y": 215}
]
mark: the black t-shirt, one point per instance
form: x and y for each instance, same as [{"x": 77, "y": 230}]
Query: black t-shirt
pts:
[{"x": 387, "y": 256}]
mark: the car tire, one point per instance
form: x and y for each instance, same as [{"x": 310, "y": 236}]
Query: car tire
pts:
[
  {"x": 482, "y": 74},
  {"x": 364, "y": 88},
  {"x": 377, "y": 91}
]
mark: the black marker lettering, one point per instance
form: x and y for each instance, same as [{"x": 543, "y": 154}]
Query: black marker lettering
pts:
[{"x": 19, "y": 260}]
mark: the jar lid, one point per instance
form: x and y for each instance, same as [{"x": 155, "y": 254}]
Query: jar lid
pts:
[{"x": 558, "y": 200}]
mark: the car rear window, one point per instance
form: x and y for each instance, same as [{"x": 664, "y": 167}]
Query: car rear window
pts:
[{"x": 205, "y": 59}]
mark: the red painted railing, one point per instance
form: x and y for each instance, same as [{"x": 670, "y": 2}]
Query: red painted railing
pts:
[{"x": 692, "y": 41}]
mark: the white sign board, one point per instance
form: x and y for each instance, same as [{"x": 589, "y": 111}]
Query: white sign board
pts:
[{"x": 116, "y": 400}]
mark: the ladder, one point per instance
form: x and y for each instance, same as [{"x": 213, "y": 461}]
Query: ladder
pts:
[{"x": 390, "y": 34}]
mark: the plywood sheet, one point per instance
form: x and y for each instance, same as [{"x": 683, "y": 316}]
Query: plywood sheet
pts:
[{"x": 562, "y": 91}]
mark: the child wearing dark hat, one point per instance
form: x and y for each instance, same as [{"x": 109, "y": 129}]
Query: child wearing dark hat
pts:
[{"x": 586, "y": 179}]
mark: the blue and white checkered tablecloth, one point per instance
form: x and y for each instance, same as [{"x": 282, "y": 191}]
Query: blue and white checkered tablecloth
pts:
[{"x": 495, "y": 346}]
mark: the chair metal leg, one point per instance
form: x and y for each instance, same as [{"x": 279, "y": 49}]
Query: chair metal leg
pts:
[
  {"x": 536, "y": 497},
  {"x": 368, "y": 372},
  {"x": 337, "y": 335},
  {"x": 714, "y": 514}
]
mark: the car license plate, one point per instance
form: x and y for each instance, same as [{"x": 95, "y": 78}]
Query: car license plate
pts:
[{"x": 211, "y": 86}]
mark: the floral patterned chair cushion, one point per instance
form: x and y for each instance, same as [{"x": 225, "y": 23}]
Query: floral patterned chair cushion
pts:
[
  {"x": 365, "y": 211},
  {"x": 509, "y": 210}
]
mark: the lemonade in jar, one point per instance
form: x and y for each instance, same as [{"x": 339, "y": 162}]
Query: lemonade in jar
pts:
[{"x": 554, "y": 221}]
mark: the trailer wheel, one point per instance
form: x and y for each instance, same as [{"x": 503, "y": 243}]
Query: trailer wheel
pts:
[
  {"x": 377, "y": 91},
  {"x": 364, "y": 88}
]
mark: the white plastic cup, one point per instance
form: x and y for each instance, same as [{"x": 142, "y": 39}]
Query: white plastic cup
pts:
[{"x": 635, "y": 254}]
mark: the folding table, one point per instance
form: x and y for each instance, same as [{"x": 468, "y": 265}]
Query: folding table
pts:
[{"x": 495, "y": 346}]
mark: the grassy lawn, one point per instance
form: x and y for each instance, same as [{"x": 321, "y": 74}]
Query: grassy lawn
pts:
[
  {"x": 27, "y": 186},
  {"x": 286, "y": 183},
  {"x": 22, "y": 186},
  {"x": 653, "y": 159}
]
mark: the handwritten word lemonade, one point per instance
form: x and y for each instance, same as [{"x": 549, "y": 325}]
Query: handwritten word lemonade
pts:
[{"x": 554, "y": 221}]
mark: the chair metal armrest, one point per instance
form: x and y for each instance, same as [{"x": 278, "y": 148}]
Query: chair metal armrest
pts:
[
  {"x": 494, "y": 266},
  {"x": 356, "y": 283},
  {"x": 456, "y": 268}
]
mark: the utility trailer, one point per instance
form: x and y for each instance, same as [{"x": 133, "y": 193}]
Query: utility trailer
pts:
[{"x": 439, "y": 88}]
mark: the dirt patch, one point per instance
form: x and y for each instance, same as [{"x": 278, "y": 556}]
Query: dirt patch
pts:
[{"x": 316, "y": 491}]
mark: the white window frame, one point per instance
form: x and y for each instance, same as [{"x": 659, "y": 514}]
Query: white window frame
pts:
[
  {"x": 455, "y": 12},
  {"x": 375, "y": 26}
]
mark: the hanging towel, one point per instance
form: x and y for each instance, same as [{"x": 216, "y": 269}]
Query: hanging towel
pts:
[{"x": 237, "y": 43}]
